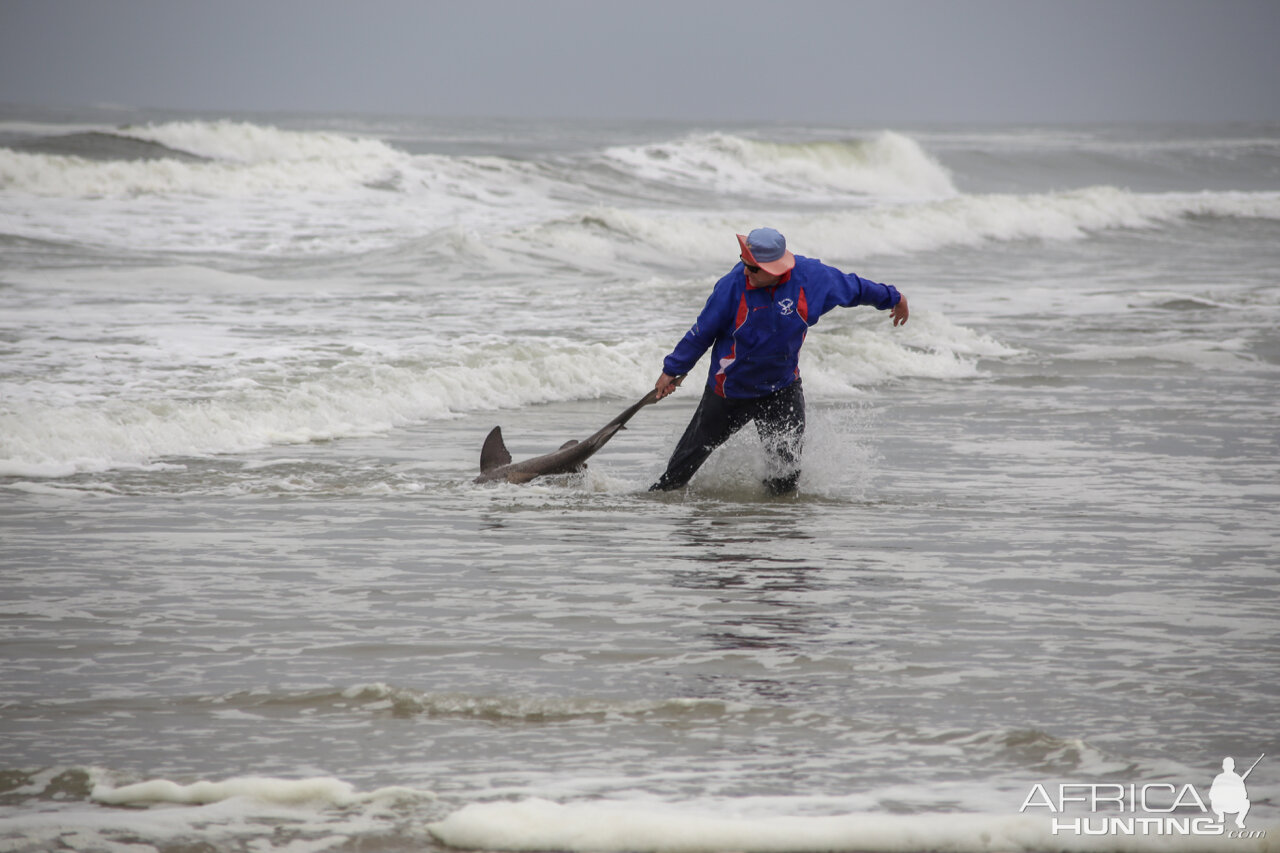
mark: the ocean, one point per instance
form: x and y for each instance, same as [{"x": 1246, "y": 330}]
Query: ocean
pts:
[{"x": 1025, "y": 597}]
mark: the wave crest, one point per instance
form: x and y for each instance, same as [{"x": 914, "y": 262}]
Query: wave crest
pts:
[
  {"x": 855, "y": 233},
  {"x": 243, "y": 142},
  {"x": 886, "y": 165}
]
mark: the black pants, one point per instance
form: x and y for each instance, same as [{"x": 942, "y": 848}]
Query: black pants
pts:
[{"x": 779, "y": 419}]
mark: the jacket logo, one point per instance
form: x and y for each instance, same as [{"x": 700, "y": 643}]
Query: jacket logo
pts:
[{"x": 786, "y": 306}]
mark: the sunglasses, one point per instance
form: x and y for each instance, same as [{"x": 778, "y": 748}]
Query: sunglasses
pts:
[{"x": 751, "y": 268}]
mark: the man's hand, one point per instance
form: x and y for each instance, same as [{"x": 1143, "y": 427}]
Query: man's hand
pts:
[
  {"x": 899, "y": 313},
  {"x": 666, "y": 384}
]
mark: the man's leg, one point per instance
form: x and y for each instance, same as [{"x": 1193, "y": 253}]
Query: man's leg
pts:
[
  {"x": 780, "y": 422},
  {"x": 714, "y": 421}
]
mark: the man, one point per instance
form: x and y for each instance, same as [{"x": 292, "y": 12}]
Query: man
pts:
[{"x": 754, "y": 322}]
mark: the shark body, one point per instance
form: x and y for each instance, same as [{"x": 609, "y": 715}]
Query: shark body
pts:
[{"x": 496, "y": 464}]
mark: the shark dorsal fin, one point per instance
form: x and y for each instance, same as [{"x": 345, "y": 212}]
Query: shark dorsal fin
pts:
[
  {"x": 494, "y": 454},
  {"x": 570, "y": 443}
]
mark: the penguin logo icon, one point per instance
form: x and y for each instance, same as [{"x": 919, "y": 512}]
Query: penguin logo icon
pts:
[{"x": 1227, "y": 794}]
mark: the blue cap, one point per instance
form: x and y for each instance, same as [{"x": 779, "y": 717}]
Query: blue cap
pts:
[
  {"x": 767, "y": 249},
  {"x": 767, "y": 244}
]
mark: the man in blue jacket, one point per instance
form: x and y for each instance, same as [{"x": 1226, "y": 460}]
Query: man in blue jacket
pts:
[{"x": 754, "y": 322}]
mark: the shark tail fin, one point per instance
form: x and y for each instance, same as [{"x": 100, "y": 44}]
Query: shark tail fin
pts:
[{"x": 494, "y": 454}]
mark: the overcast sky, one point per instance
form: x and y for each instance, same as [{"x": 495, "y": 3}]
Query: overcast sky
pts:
[{"x": 809, "y": 60}]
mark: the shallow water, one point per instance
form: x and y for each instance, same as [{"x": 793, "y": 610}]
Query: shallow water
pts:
[{"x": 1034, "y": 541}]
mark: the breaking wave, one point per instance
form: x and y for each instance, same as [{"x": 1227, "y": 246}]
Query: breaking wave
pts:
[
  {"x": 45, "y": 434},
  {"x": 608, "y": 235},
  {"x": 256, "y": 190},
  {"x": 886, "y": 165}
]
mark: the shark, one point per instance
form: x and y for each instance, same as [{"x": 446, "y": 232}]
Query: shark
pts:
[{"x": 496, "y": 464}]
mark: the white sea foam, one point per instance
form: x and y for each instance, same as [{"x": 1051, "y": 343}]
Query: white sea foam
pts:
[
  {"x": 888, "y": 164},
  {"x": 276, "y": 396},
  {"x": 361, "y": 398},
  {"x": 324, "y": 791},
  {"x": 266, "y": 191},
  {"x": 250, "y": 143},
  {"x": 250, "y": 160},
  {"x": 276, "y": 192},
  {"x": 608, "y": 235},
  {"x": 976, "y": 219},
  {"x": 302, "y": 815},
  {"x": 536, "y": 824},
  {"x": 219, "y": 362},
  {"x": 75, "y": 177},
  {"x": 847, "y": 355}
]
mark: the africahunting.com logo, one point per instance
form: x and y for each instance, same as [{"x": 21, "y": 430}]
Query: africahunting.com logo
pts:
[{"x": 1157, "y": 808}]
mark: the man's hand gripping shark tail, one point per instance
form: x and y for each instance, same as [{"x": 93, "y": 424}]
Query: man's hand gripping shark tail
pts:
[{"x": 495, "y": 459}]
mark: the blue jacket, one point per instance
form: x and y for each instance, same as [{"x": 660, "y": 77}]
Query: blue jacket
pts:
[{"x": 755, "y": 333}]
